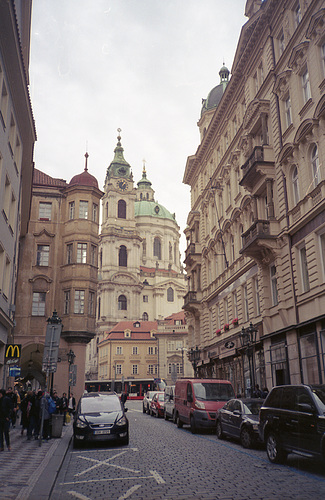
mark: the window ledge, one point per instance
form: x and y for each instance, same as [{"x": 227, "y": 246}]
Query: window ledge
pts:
[{"x": 305, "y": 108}]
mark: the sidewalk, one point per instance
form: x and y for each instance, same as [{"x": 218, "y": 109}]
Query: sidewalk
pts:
[{"x": 28, "y": 471}]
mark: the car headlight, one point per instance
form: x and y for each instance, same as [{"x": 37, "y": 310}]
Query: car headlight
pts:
[
  {"x": 121, "y": 421},
  {"x": 200, "y": 405},
  {"x": 81, "y": 424},
  {"x": 255, "y": 427}
]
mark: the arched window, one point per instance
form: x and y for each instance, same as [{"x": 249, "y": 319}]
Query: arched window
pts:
[
  {"x": 122, "y": 303},
  {"x": 170, "y": 251},
  {"x": 145, "y": 316},
  {"x": 121, "y": 209},
  {"x": 232, "y": 246},
  {"x": 295, "y": 186},
  {"x": 106, "y": 207},
  {"x": 170, "y": 294},
  {"x": 122, "y": 256},
  {"x": 315, "y": 165},
  {"x": 157, "y": 248}
]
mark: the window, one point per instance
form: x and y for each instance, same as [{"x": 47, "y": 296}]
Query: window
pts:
[
  {"x": 93, "y": 255},
  {"x": 38, "y": 306},
  {"x": 44, "y": 211},
  {"x": 257, "y": 296},
  {"x": 288, "y": 115},
  {"x": 304, "y": 269},
  {"x": 226, "y": 311},
  {"x": 122, "y": 303},
  {"x": 175, "y": 368},
  {"x": 145, "y": 298},
  {"x": 170, "y": 294},
  {"x": 157, "y": 248},
  {"x": 122, "y": 256},
  {"x": 145, "y": 317},
  {"x": 66, "y": 305},
  {"x": 119, "y": 349},
  {"x": 297, "y": 15},
  {"x": 134, "y": 369},
  {"x": 281, "y": 43},
  {"x": 235, "y": 305},
  {"x": 43, "y": 252},
  {"x": 69, "y": 253},
  {"x": 71, "y": 210},
  {"x": 79, "y": 301},
  {"x": 295, "y": 186},
  {"x": 315, "y": 166},
  {"x": 151, "y": 369},
  {"x": 135, "y": 350},
  {"x": 323, "y": 57},
  {"x": 91, "y": 304},
  {"x": 152, "y": 350},
  {"x": 121, "y": 209},
  {"x": 322, "y": 252},
  {"x": 118, "y": 369},
  {"x": 306, "y": 86},
  {"x": 95, "y": 212},
  {"x": 274, "y": 285},
  {"x": 4, "y": 104},
  {"x": 246, "y": 305},
  {"x": 232, "y": 247},
  {"x": 82, "y": 253},
  {"x": 83, "y": 209}
]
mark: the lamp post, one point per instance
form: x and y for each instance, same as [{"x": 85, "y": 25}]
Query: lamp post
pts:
[
  {"x": 182, "y": 349},
  {"x": 194, "y": 357},
  {"x": 71, "y": 355},
  {"x": 248, "y": 341}
]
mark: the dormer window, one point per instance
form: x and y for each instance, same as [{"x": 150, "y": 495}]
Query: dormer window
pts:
[
  {"x": 127, "y": 333},
  {"x": 137, "y": 324}
]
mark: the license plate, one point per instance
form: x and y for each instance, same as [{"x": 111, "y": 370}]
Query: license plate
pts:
[{"x": 107, "y": 431}]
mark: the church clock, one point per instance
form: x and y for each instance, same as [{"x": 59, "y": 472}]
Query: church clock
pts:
[{"x": 122, "y": 185}]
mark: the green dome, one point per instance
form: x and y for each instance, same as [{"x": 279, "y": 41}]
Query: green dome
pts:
[{"x": 152, "y": 209}]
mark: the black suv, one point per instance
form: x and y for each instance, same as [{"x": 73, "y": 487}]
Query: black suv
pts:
[{"x": 292, "y": 420}]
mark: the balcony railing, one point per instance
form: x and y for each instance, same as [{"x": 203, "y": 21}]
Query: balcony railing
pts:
[
  {"x": 262, "y": 156},
  {"x": 189, "y": 298}
]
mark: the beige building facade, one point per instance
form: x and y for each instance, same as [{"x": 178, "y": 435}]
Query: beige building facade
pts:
[
  {"x": 255, "y": 258},
  {"x": 58, "y": 271}
]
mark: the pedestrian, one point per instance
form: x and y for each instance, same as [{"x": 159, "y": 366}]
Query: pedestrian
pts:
[
  {"x": 64, "y": 406},
  {"x": 32, "y": 414},
  {"x": 257, "y": 392},
  {"x": 56, "y": 399},
  {"x": 23, "y": 408},
  {"x": 124, "y": 397},
  {"x": 44, "y": 407},
  {"x": 265, "y": 392},
  {"x": 14, "y": 401},
  {"x": 72, "y": 404},
  {"x": 6, "y": 409}
]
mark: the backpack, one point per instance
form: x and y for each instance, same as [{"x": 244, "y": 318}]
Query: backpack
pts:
[{"x": 51, "y": 405}]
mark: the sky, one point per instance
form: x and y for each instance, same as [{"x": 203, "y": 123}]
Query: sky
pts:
[{"x": 139, "y": 65}]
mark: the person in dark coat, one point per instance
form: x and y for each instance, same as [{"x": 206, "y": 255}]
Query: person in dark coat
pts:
[
  {"x": 24, "y": 418},
  {"x": 6, "y": 410},
  {"x": 124, "y": 397}
]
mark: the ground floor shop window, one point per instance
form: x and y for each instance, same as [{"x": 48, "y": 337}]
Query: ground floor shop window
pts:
[{"x": 309, "y": 359}]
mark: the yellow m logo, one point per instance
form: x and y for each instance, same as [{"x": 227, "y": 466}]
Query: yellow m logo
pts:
[{"x": 13, "y": 351}]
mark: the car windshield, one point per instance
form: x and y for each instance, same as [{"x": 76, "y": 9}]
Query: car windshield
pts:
[
  {"x": 100, "y": 404},
  {"x": 252, "y": 407},
  {"x": 214, "y": 391},
  {"x": 319, "y": 393}
]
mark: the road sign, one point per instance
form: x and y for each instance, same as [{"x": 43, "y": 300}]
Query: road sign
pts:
[
  {"x": 51, "y": 347},
  {"x": 72, "y": 375},
  {"x": 14, "y": 371}
]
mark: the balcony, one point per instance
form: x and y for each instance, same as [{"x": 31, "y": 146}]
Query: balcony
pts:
[
  {"x": 251, "y": 239},
  {"x": 260, "y": 164},
  {"x": 192, "y": 254},
  {"x": 192, "y": 301}
]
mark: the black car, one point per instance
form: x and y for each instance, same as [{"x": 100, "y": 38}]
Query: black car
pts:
[
  {"x": 100, "y": 416},
  {"x": 292, "y": 420},
  {"x": 239, "y": 419}
]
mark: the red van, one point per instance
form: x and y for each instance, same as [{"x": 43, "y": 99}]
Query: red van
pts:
[{"x": 197, "y": 401}]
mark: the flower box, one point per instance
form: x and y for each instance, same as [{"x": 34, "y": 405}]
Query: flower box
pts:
[
  {"x": 235, "y": 321},
  {"x": 218, "y": 332},
  {"x": 226, "y": 327}
]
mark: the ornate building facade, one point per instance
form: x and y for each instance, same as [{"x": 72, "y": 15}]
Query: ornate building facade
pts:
[
  {"x": 17, "y": 137},
  {"x": 58, "y": 270},
  {"x": 140, "y": 274},
  {"x": 256, "y": 230}
]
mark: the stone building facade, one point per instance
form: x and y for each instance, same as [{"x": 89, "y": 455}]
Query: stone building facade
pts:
[
  {"x": 256, "y": 230},
  {"x": 58, "y": 270}
]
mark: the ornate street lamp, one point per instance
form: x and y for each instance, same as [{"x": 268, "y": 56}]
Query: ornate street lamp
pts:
[
  {"x": 71, "y": 355},
  {"x": 248, "y": 341},
  {"x": 194, "y": 357}
]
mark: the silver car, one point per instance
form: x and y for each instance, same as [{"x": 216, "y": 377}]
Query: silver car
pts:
[{"x": 147, "y": 400}]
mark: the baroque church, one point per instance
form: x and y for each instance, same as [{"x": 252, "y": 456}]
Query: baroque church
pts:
[{"x": 140, "y": 272}]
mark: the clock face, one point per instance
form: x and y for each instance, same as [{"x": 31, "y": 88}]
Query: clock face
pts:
[{"x": 122, "y": 185}]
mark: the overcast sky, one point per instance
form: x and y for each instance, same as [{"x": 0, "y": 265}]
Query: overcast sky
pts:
[{"x": 139, "y": 65}]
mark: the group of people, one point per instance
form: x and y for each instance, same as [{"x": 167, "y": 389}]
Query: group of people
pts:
[{"x": 33, "y": 408}]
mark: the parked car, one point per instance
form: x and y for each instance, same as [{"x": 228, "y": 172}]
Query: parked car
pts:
[
  {"x": 292, "y": 420},
  {"x": 147, "y": 400},
  {"x": 100, "y": 416},
  {"x": 239, "y": 419},
  {"x": 157, "y": 405},
  {"x": 169, "y": 408},
  {"x": 198, "y": 400}
]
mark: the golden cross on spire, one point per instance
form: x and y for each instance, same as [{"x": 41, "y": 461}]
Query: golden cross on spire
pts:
[{"x": 86, "y": 162}]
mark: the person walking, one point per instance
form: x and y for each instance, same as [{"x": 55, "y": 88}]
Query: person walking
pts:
[
  {"x": 64, "y": 407},
  {"x": 72, "y": 404},
  {"x": 6, "y": 409},
  {"x": 13, "y": 396}
]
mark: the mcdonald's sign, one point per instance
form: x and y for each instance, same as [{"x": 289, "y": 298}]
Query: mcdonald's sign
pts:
[{"x": 13, "y": 352}]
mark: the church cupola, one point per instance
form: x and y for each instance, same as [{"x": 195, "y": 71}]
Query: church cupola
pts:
[
  {"x": 145, "y": 191},
  {"x": 119, "y": 167}
]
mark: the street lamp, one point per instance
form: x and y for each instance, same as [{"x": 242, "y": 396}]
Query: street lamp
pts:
[
  {"x": 71, "y": 355},
  {"x": 194, "y": 357},
  {"x": 182, "y": 349},
  {"x": 248, "y": 341}
]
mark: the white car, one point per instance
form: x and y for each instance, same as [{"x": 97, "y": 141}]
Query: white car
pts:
[{"x": 147, "y": 400}]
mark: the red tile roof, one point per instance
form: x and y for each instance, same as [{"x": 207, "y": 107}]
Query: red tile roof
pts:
[{"x": 42, "y": 179}]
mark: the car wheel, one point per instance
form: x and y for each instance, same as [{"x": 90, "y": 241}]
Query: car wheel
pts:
[
  {"x": 166, "y": 417},
  {"x": 246, "y": 438},
  {"x": 275, "y": 453},
  {"x": 179, "y": 423},
  {"x": 76, "y": 443},
  {"x": 192, "y": 425},
  {"x": 219, "y": 431},
  {"x": 174, "y": 418},
  {"x": 148, "y": 410},
  {"x": 143, "y": 409}
]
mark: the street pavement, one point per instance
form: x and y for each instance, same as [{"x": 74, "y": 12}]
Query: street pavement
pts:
[{"x": 28, "y": 471}]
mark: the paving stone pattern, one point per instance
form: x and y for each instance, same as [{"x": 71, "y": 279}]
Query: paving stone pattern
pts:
[{"x": 164, "y": 462}]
